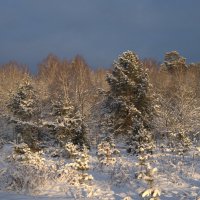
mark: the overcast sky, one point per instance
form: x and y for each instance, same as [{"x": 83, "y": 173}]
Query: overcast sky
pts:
[{"x": 99, "y": 30}]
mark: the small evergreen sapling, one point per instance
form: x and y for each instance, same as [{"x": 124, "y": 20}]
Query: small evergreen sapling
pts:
[
  {"x": 147, "y": 173},
  {"x": 81, "y": 164},
  {"x": 106, "y": 153},
  {"x": 72, "y": 150}
]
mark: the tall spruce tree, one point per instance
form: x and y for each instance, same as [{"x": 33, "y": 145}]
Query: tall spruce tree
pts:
[{"x": 128, "y": 106}]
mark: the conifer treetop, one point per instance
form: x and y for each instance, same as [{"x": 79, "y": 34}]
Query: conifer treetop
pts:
[{"x": 128, "y": 76}]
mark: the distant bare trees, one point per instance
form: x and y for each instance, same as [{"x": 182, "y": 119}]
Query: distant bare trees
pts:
[
  {"x": 176, "y": 87},
  {"x": 11, "y": 75},
  {"x": 72, "y": 79}
]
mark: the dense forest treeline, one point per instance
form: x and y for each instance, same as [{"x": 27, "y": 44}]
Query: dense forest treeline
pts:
[{"x": 173, "y": 84}]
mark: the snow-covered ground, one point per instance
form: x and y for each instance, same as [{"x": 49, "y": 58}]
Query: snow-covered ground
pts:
[
  {"x": 14, "y": 196},
  {"x": 178, "y": 178}
]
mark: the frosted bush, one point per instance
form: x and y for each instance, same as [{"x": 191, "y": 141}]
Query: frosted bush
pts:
[
  {"x": 121, "y": 173},
  {"x": 29, "y": 171},
  {"x": 26, "y": 170}
]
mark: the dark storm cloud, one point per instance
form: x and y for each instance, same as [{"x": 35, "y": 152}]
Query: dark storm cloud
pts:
[{"x": 97, "y": 29}]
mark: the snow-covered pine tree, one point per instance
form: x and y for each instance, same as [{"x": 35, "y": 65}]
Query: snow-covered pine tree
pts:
[
  {"x": 174, "y": 63},
  {"x": 69, "y": 125},
  {"x": 128, "y": 106},
  {"x": 23, "y": 113},
  {"x": 23, "y": 103}
]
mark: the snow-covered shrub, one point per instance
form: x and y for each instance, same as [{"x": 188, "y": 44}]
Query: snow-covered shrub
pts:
[
  {"x": 106, "y": 153},
  {"x": 28, "y": 171},
  {"x": 25, "y": 171},
  {"x": 122, "y": 172}
]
